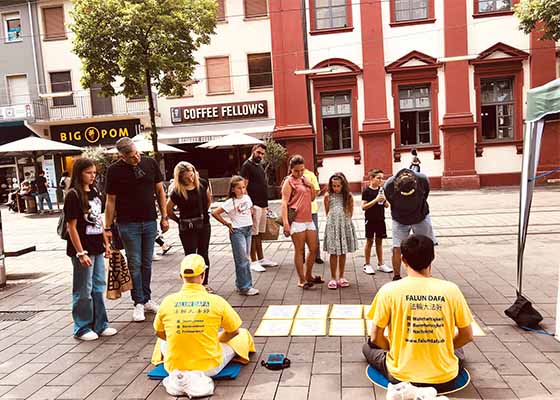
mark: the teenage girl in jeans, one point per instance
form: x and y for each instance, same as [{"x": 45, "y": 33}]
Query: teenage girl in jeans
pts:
[
  {"x": 239, "y": 208},
  {"x": 297, "y": 195},
  {"x": 193, "y": 197},
  {"x": 87, "y": 246}
]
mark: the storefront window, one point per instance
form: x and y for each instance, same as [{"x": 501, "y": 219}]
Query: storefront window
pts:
[
  {"x": 497, "y": 108},
  {"x": 336, "y": 114},
  {"x": 415, "y": 109}
]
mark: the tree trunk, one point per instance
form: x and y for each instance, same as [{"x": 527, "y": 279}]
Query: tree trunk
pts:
[{"x": 152, "y": 109}]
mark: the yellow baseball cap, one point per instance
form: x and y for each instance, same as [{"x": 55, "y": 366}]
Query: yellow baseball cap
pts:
[{"x": 192, "y": 265}]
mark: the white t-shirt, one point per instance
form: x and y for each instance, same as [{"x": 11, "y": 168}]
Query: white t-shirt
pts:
[{"x": 239, "y": 211}]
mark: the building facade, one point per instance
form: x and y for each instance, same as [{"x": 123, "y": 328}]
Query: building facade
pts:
[{"x": 374, "y": 80}]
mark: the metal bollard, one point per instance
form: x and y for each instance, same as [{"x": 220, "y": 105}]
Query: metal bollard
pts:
[{"x": 2, "y": 257}]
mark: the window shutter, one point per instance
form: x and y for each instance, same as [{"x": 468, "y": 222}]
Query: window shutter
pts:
[
  {"x": 217, "y": 72},
  {"x": 53, "y": 18},
  {"x": 255, "y": 8},
  {"x": 221, "y": 11}
]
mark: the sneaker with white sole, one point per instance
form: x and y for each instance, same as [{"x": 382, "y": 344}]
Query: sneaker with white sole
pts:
[
  {"x": 151, "y": 307},
  {"x": 108, "y": 332},
  {"x": 265, "y": 262},
  {"x": 138, "y": 313},
  {"x": 368, "y": 269},
  {"x": 88, "y": 336},
  {"x": 249, "y": 292},
  {"x": 257, "y": 267},
  {"x": 384, "y": 268}
]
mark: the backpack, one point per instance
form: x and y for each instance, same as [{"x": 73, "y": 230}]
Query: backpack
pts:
[{"x": 61, "y": 227}]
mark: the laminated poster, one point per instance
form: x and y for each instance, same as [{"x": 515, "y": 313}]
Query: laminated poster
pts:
[
  {"x": 347, "y": 327},
  {"x": 280, "y": 312},
  {"x": 347, "y": 311},
  {"x": 309, "y": 327},
  {"x": 313, "y": 311},
  {"x": 274, "y": 327}
]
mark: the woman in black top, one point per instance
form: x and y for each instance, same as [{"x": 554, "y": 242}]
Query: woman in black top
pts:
[
  {"x": 192, "y": 196},
  {"x": 86, "y": 247}
]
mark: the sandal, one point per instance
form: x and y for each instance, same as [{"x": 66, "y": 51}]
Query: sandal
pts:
[
  {"x": 332, "y": 284},
  {"x": 306, "y": 285},
  {"x": 343, "y": 282},
  {"x": 317, "y": 279}
]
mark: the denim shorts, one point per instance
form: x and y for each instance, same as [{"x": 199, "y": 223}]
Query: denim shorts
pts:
[{"x": 401, "y": 232}]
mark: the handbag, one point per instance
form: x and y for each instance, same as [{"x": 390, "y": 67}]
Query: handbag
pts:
[
  {"x": 119, "y": 279},
  {"x": 272, "y": 230},
  {"x": 523, "y": 313},
  {"x": 196, "y": 223}
]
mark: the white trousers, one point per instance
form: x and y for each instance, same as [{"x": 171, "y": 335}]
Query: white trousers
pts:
[{"x": 227, "y": 355}]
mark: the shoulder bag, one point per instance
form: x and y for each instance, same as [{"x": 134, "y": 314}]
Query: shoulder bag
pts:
[{"x": 196, "y": 223}]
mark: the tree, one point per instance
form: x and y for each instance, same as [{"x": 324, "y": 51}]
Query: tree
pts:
[
  {"x": 144, "y": 43},
  {"x": 274, "y": 156},
  {"x": 532, "y": 12}
]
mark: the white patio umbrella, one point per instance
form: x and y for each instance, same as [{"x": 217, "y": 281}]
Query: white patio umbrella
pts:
[
  {"x": 232, "y": 140},
  {"x": 35, "y": 146},
  {"x": 145, "y": 146}
]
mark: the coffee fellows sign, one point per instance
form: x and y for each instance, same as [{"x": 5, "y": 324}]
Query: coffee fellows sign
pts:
[
  {"x": 219, "y": 112},
  {"x": 95, "y": 133}
]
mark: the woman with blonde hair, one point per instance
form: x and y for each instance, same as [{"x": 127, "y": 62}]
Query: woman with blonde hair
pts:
[{"x": 192, "y": 195}]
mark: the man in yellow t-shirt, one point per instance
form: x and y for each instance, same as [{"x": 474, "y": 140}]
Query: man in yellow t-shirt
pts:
[
  {"x": 309, "y": 175},
  {"x": 421, "y": 314},
  {"x": 188, "y": 321}
]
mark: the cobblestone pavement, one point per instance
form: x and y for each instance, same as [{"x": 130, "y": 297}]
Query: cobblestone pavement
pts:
[{"x": 39, "y": 358}]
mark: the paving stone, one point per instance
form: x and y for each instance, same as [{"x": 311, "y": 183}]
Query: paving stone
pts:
[
  {"x": 326, "y": 363},
  {"x": 53, "y": 353},
  {"x": 327, "y": 344},
  {"x": 106, "y": 392},
  {"x": 357, "y": 393},
  {"x": 526, "y": 352},
  {"x": 484, "y": 375},
  {"x": 72, "y": 375},
  {"x": 48, "y": 393},
  {"x": 299, "y": 374},
  {"x": 261, "y": 387},
  {"x": 506, "y": 363},
  {"x": 554, "y": 357},
  {"x": 507, "y": 333},
  {"x": 227, "y": 392},
  {"x": 354, "y": 375},
  {"x": 126, "y": 374},
  {"x": 29, "y": 386},
  {"x": 352, "y": 352},
  {"x": 63, "y": 363},
  {"x": 325, "y": 387},
  {"x": 101, "y": 353},
  {"x": 291, "y": 393},
  {"x": 496, "y": 394},
  {"x": 5, "y": 389},
  {"x": 21, "y": 374},
  {"x": 14, "y": 363},
  {"x": 548, "y": 374},
  {"x": 139, "y": 388},
  {"x": 526, "y": 387},
  {"x": 84, "y": 387},
  {"x": 301, "y": 352}
]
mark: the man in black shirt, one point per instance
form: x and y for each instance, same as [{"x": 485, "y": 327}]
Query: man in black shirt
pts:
[
  {"x": 132, "y": 184},
  {"x": 42, "y": 193},
  {"x": 257, "y": 189},
  {"x": 407, "y": 192}
]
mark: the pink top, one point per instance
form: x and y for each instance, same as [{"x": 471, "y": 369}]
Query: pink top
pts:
[{"x": 300, "y": 200}]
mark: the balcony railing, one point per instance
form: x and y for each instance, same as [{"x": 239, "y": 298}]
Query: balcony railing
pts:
[{"x": 87, "y": 105}]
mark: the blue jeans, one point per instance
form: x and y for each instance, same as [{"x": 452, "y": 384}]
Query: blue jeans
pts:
[
  {"x": 138, "y": 240},
  {"x": 88, "y": 288},
  {"x": 241, "y": 247},
  {"x": 41, "y": 197}
]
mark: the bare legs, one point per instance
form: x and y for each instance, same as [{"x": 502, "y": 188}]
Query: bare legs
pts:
[
  {"x": 340, "y": 262},
  {"x": 300, "y": 240},
  {"x": 367, "y": 250},
  {"x": 397, "y": 261},
  {"x": 379, "y": 250},
  {"x": 256, "y": 248}
]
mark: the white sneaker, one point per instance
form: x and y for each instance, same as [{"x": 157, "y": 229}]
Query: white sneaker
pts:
[
  {"x": 265, "y": 262},
  {"x": 250, "y": 292},
  {"x": 88, "y": 336},
  {"x": 257, "y": 267},
  {"x": 151, "y": 307},
  {"x": 368, "y": 269},
  {"x": 108, "y": 332},
  {"x": 384, "y": 268},
  {"x": 197, "y": 384},
  {"x": 173, "y": 383},
  {"x": 138, "y": 313}
]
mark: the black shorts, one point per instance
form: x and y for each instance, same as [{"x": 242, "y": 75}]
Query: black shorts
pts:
[{"x": 375, "y": 228}]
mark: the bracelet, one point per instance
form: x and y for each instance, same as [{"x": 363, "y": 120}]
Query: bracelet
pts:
[
  {"x": 81, "y": 253},
  {"x": 108, "y": 229}
]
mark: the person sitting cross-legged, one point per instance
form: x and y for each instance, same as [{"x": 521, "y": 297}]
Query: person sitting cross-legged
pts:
[
  {"x": 421, "y": 314},
  {"x": 188, "y": 324}
]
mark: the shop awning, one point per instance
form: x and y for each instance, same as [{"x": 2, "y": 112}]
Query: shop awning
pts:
[{"x": 202, "y": 133}]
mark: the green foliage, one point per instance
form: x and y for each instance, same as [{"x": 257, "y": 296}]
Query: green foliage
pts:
[
  {"x": 531, "y": 12},
  {"x": 101, "y": 160},
  {"x": 130, "y": 46},
  {"x": 275, "y": 155}
]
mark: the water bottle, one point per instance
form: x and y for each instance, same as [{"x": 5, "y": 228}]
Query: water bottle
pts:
[{"x": 381, "y": 192}]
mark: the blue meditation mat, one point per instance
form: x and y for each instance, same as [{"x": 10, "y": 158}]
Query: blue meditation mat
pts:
[
  {"x": 378, "y": 379},
  {"x": 231, "y": 371}
]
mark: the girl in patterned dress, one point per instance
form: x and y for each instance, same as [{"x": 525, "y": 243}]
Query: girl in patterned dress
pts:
[{"x": 340, "y": 233}]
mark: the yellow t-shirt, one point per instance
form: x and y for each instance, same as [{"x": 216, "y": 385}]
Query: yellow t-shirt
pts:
[
  {"x": 421, "y": 315},
  {"x": 191, "y": 319},
  {"x": 311, "y": 177}
]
